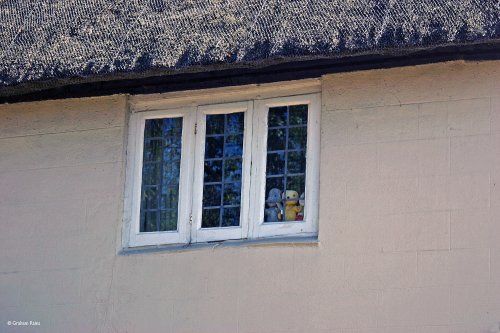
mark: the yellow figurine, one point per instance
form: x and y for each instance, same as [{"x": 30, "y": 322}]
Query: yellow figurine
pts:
[{"x": 291, "y": 208}]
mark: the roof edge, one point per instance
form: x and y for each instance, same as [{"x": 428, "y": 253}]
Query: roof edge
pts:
[{"x": 274, "y": 70}]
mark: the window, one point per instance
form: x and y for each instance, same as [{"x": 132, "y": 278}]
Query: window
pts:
[{"x": 243, "y": 170}]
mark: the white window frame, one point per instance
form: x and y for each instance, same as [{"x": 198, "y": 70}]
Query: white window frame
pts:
[
  {"x": 134, "y": 179},
  {"x": 309, "y": 226},
  {"x": 198, "y": 233},
  {"x": 254, "y": 157}
]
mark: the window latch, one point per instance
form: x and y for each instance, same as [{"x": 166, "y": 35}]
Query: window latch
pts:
[{"x": 191, "y": 219}]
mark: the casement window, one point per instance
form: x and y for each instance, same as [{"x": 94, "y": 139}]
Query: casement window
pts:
[{"x": 245, "y": 170}]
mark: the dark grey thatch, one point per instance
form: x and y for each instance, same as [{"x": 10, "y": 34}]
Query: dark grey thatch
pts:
[{"x": 47, "y": 39}]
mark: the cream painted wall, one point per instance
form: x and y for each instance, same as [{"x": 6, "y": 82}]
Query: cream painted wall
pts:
[{"x": 409, "y": 219}]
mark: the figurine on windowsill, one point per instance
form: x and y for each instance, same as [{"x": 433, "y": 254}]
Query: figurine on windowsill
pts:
[
  {"x": 302, "y": 202},
  {"x": 274, "y": 212},
  {"x": 291, "y": 209}
]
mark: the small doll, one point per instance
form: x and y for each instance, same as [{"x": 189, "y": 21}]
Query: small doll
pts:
[
  {"x": 274, "y": 212},
  {"x": 302, "y": 202},
  {"x": 291, "y": 209}
]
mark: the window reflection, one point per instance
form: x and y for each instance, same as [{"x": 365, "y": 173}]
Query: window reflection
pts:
[
  {"x": 223, "y": 170},
  {"x": 286, "y": 163},
  {"x": 160, "y": 174}
]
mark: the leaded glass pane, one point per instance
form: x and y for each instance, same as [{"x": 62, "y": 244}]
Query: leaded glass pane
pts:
[
  {"x": 223, "y": 170},
  {"x": 297, "y": 161},
  {"x": 276, "y": 139},
  {"x": 278, "y": 117},
  {"x": 275, "y": 163},
  {"x": 168, "y": 220},
  {"x": 153, "y": 128},
  {"x": 148, "y": 221},
  {"x": 214, "y": 147},
  {"x": 298, "y": 114},
  {"x": 160, "y": 174},
  {"x": 235, "y": 122},
  {"x": 212, "y": 195},
  {"x": 169, "y": 197},
  {"x": 150, "y": 197},
  {"x": 297, "y": 137},
  {"x": 233, "y": 146},
  {"x": 213, "y": 171},
  {"x": 152, "y": 150},
  {"x": 231, "y": 217},
  {"x": 286, "y": 163},
  {"x": 232, "y": 170},
  {"x": 210, "y": 218},
  {"x": 232, "y": 194},
  {"x": 151, "y": 172},
  {"x": 216, "y": 124}
]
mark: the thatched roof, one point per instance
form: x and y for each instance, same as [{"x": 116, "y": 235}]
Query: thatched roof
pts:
[{"x": 61, "y": 39}]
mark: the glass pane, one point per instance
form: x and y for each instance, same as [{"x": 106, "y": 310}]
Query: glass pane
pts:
[
  {"x": 286, "y": 164},
  {"x": 172, "y": 148},
  {"x": 231, "y": 217},
  {"x": 277, "y": 116},
  {"x": 171, "y": 154},
  {"x": 275, "y": 164},
  {"x": 169, "y": 197},
  {"x": 232, "y": 170},
  {"x": 222, "y": 176},
  {"x": 275, "y": 182},
  {"x": 297, "y": 183},
  {"x": 152, "y": 150},
  {"x": 172, "y": 127},
  {"x": 298, "y": 115},
  {"x": 215, "y": 124},
  {"x": 148, "y": 221},
  {"x": 164, "y": 173},
  {"x": 297, "y": 162},
  {"x": 213, "y": 171},
  {"x": 171, "y": 173},
  {"x": 276, "y": 139},
  {"x": 153, "y": 128},
  {"x": 235, "y": 122},
  {"x": 210, "y": 218},
  {"x": 233, "y": 146},
  {"x": 232, "y": 194},
  {"x": 150, "y": 173},
  {"x": 214, "y": 147},
  {"x": 150, "y": 198},
  {"x": 212, "y": 195},
  {"x": 297, "y": 138},
  {"x": 168, "y": 220}
]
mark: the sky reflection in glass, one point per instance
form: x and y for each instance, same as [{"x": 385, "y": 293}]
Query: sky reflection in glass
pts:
[
  {"x": 286, "y": 163},
  {"x": 222, "y": 170},
  {"x": 160, "y": 174}
]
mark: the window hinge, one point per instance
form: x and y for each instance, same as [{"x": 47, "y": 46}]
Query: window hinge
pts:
[{"x": 196, "y": 128}]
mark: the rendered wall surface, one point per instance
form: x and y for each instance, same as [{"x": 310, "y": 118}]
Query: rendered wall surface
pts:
[{"x": 409, "y": 220}]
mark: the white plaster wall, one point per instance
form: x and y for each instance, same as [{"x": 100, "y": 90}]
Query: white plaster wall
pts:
[
  {"x": 413, "y": 203},
  {"x": 409, "y": 220},
  {"x": 60, "y": 204}
]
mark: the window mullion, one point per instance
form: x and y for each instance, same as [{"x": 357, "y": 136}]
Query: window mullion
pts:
[
  {"x": 249, "y": 160},
  {"x": 221, "y": 211},
  {"x": 159, "y": 189},
  {"x": 196, "y": 163}
]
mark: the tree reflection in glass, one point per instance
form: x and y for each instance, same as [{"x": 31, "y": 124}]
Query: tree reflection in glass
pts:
[
  {"x": 223, "y": 170},
  {"x": 286, "y": 163},
  {"x": 160, "y": 174}
]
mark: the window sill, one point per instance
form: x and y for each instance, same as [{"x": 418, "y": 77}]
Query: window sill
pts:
[{"x": 262, "y": 242}]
